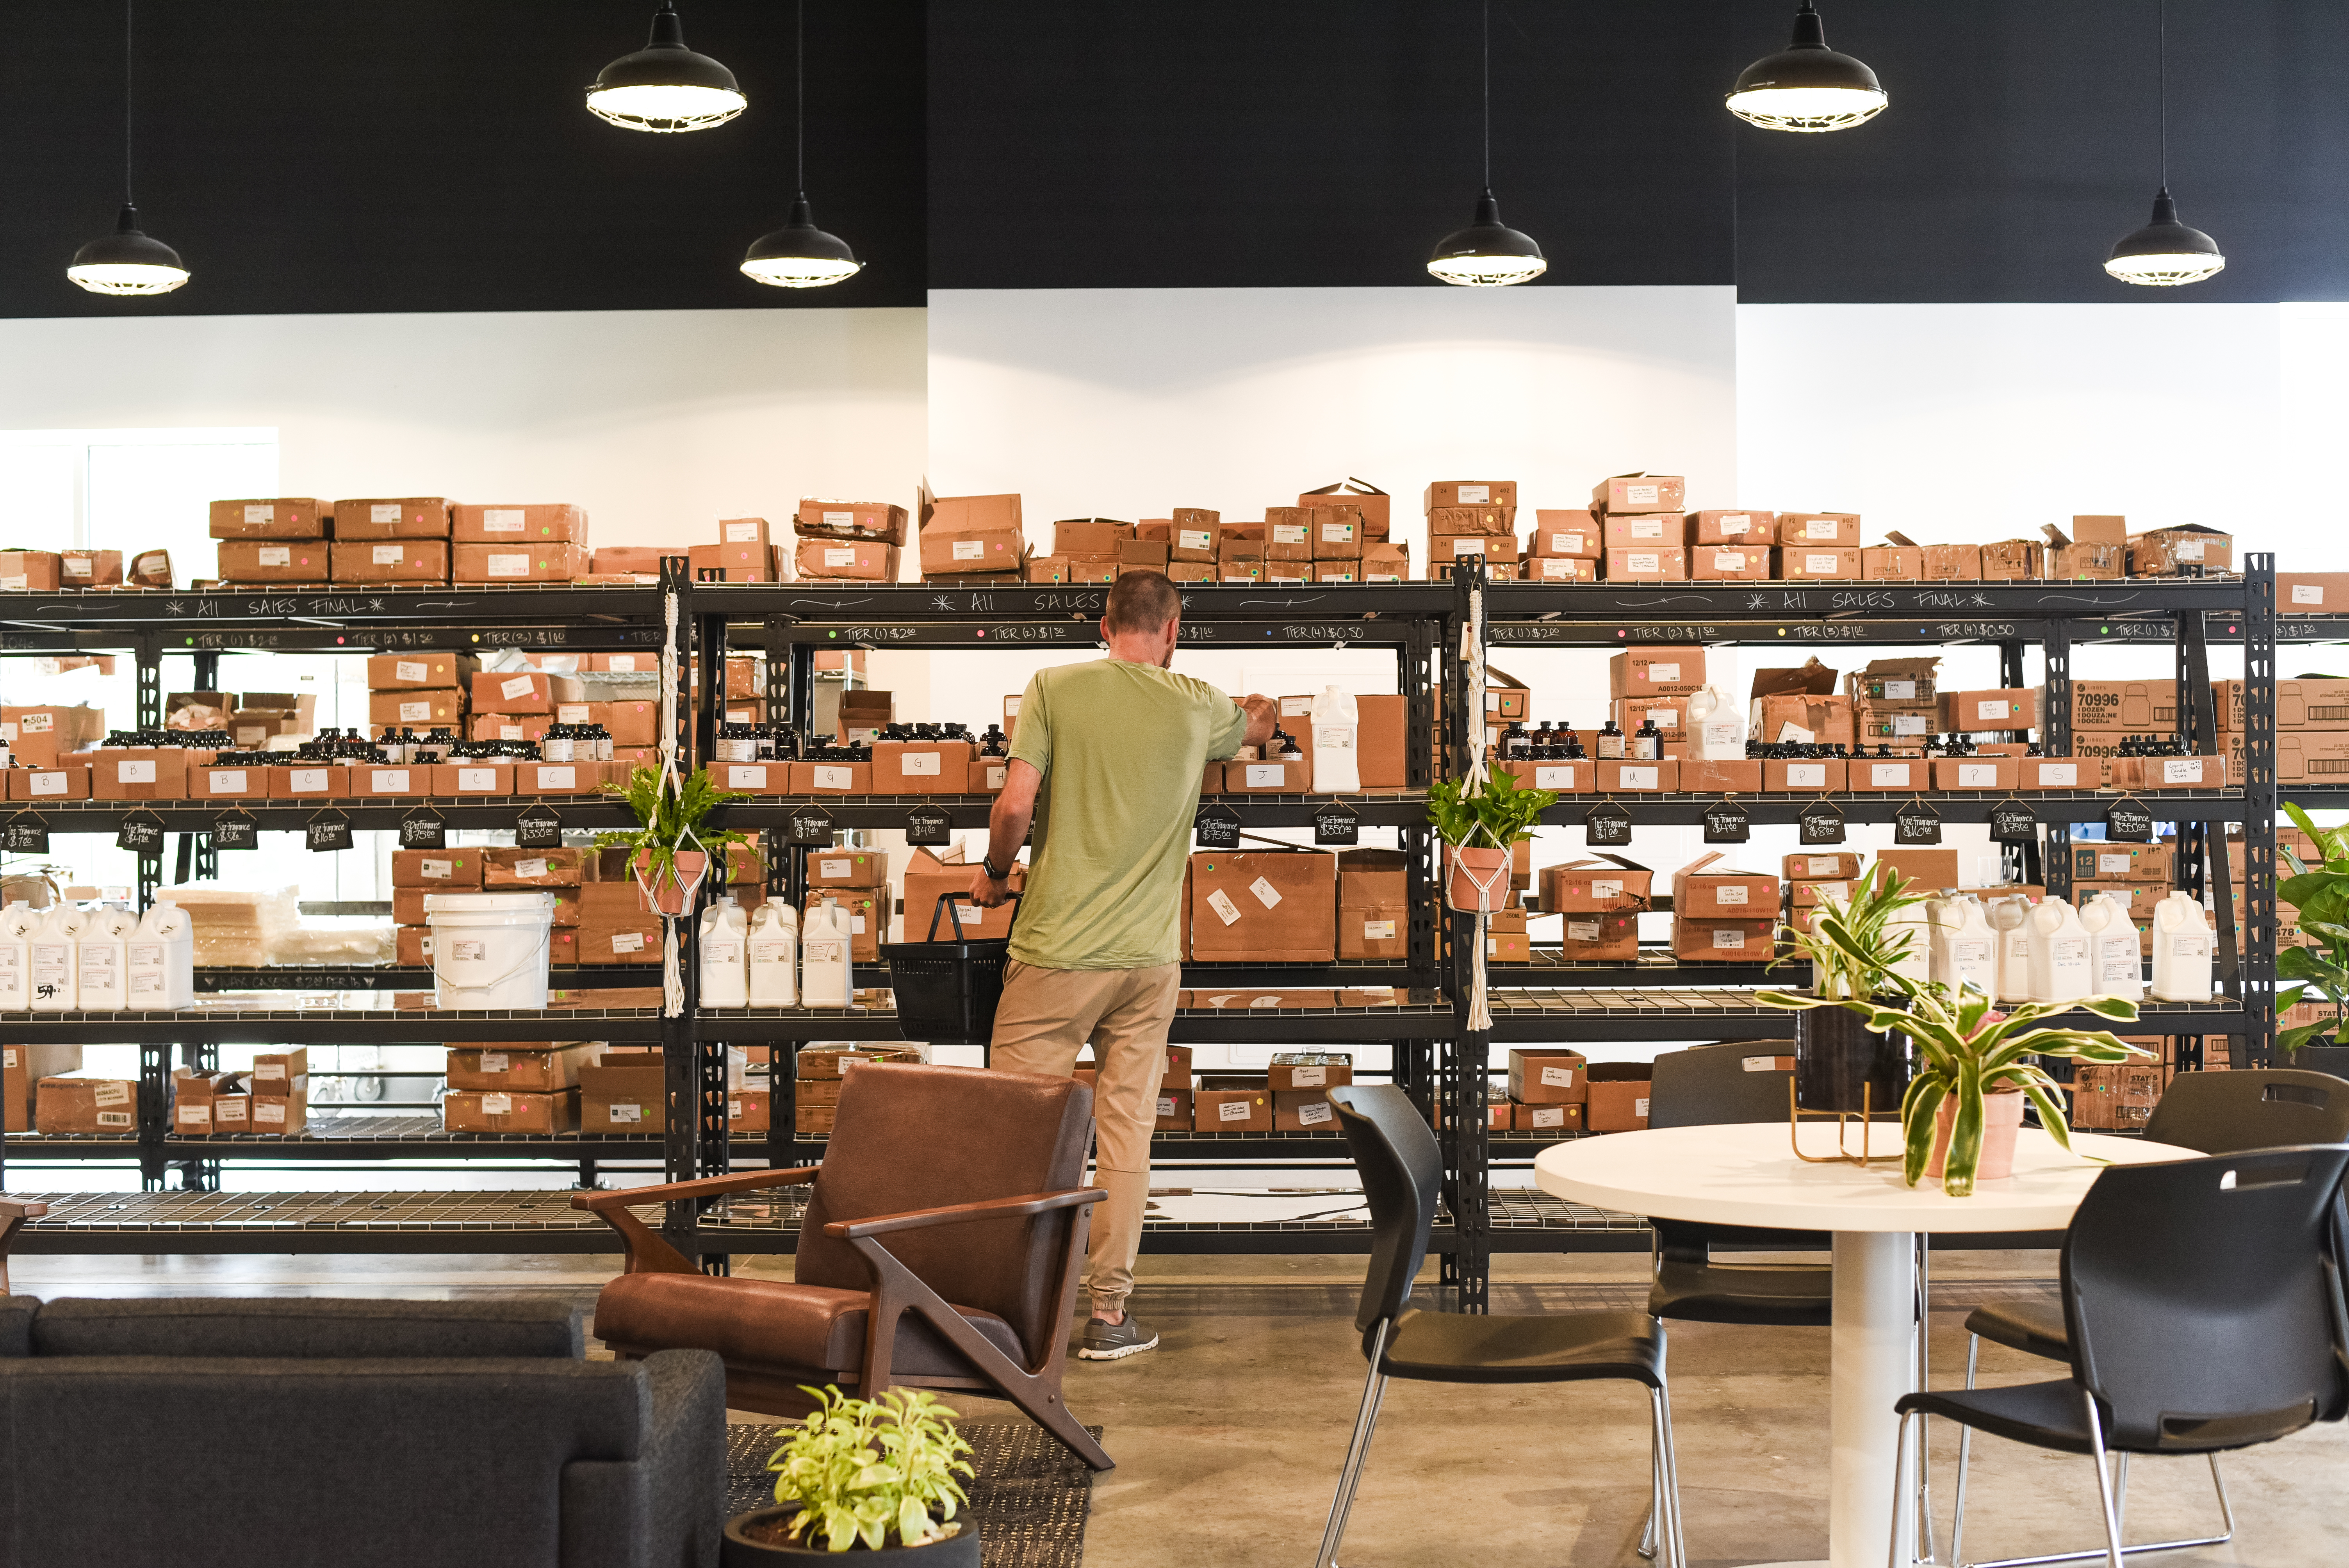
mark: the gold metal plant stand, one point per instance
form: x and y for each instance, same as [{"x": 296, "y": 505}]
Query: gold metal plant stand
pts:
[{"x": 1843, "y": 1153}]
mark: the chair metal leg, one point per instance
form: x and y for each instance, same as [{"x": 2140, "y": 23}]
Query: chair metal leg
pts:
[
  {"x": 1669, "y": 1529},
  {"x": 2104, "y": 1483},
  {"x": 1925, "y": 1380},
  {"x": 1366, "y": 1420},
  {"x": 1965, "y": 1453},
  {"x": 1900, "y": 1467},
  {"x": 2226, "y": 1508},
  {"x": 1647, "y": 1547}
]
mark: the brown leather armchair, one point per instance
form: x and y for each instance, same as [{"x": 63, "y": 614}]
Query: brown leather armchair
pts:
[{"x": 943, "y": 1237}]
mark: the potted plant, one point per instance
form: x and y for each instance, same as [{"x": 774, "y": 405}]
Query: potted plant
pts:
[
  {"x": 2321, "y": 894},
  {"x": 669, "y": 818},
  {"x": 1974, "y": 1070},
  {"x": 1841, "y": 1064},
  {"x": 1480, "y": 828},
  {"x": 868, "y": 1476}
]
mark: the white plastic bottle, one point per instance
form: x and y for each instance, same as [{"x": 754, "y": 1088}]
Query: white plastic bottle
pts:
[
  {"x": 824, "y": 978},
  {"x": 17, "y": 923},
  {"x": 725, "y": 975},
  {"x": 162, "y": 975},
  {"x": 774, "y": 956},
  {"x": 1716, "y": 732},
  {"x": 102, "y": 959},
  {"x": 2010, "y": 919},
  {"x": 1910, "y": 920},
  {"x": 2181, "y": 950},
  {"x": 2060, "y": 968},
  {"x": 2113, "y": 947},
  {"x": 54, "y": 975},
  {"x": 1963, "y": 947},
  {"x": 1336, "y": 727}
]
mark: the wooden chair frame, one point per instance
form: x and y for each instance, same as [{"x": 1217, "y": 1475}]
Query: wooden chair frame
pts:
[{"x": 13, "y": 1212}]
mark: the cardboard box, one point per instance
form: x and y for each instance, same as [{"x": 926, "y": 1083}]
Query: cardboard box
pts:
[
  {"x": 603, "y": 942},
  {"x": 1597, "y": 938},
  {"x": 1974, "y": 712},
  {"x": 1817, "y": 563},
  {"x": 282, "y": 1114},
  {"x": 1742, "y": 528},
  {"x": 962, "y": 550},
  {"x": 1090, "y": 536},
  {"x": 2058, "y": 773},
  {"x": 868, "y": 918},
  {"x": 1892, "y": 563},
  {"x": 1276, "y": 776},
  {"x": 1232, "y": 1109},
  {"x": 140, "y": 772},
  {"x": 2170, "y": 552},
  {"x": 1723, "y": 941},
  {"x": 420, "y": 671},
  {"x": 1951, "y": 563},
  {"x": 1668, "y": 714},
  {"x": 2169, "y": 772},
  {"x": 2118, "y": 863},
  {"x": 1443, "y": 549},
  {"x": 1549, "y": 1074},
  {"x": 281, "y": 517},
  {"x": 1578, "y": 777},
  {"x": 444, "y": 871},
  {"x": 415, "y": 707},
  {"x": 1608, "y": 883},
  {"x": 1655, "y": 672},
  {"x": 253, "y": 561},
  {"x": 1729, "y": 775},
  {"x": 35, "y": 785},
  {"x": 1639, "y": 778},
  {"x": 1577, "y": 534},
  {"x": 1386, "y": 563},
  {"x": 1635, "y": 492},
  {"x": 1620, "y": 1093},
  {"x": 1731, "y": 562},
  {"x": 1819, "y": 528},
  {"x": 151, "y": 568},
  {"x": 38, "y": 737},
  {"x": 323, "y": 783},
  {"x": 921, "y": 767},
  {"x": 1809, "y": 893},
  {"x": 1828, "y": 720},
  {"x": 1469, "y": 493},
  {"x": 1557, "y": 568},
  {"x": 1831, "y": 865},
  {"x": 1000, "y": 512},
  {"x": 2312, "y": 592},
  {"x": 506, "y": 1111},
  {"x": 875, "y": 520},
  {"x": 2013, "y": 560},
  {"x": 553, "y": 563},
  {"x": 524, "y": 523},
  {"x": 1903, "y": 684},
  {"x": 78, "y": 1104},
  {"x": 1883, "y": 774},
  {"x": 1726, "y": 893},
  {"x": 1558, "y": 1120},
  {"x": 623, "y": 1098},
  {"x": 2299, "y": 704},
  {"x": 1976, "y": 773},
  {"x": 2138, "y": 707},
  {"x": 399, "y": 561},
  {"x": 1373, "y": 504},
  {"x": 216, "y": 783},
  {"x": 89, "y": 568},
  {"x": 1261, "y": 906},
  {"x": 514, "y": 868},
  {"x": 416, "y": 517},
  {"x": 1336, "y": 534},
  {"x": 1927, "y": 867},
  {"x": 1668, "y": 565},
  {"x": 734, "y": 564},
  {"x": 32, "y": 571},
  {"x": 1645, "y": 530},
  {"x": 1303, "y": 1110}
]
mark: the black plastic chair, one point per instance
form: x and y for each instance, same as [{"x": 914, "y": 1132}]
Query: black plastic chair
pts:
[
  {"x": 2203, "y": 1311},
  {"x": 1396, "y": 1156},
  {"x": 2217, "y": 1113}
]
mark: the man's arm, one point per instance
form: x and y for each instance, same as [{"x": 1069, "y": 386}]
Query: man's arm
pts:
[
  {"x": 1007, "y": 829},
  {"x": 1261, "y": 715}
]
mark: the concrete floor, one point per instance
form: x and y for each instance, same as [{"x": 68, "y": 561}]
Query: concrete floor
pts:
[{"x": 1228, "y": 1437}]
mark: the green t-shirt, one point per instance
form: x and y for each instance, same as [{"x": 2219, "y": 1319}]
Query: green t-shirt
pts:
[{"x": 1121, "y": 746}]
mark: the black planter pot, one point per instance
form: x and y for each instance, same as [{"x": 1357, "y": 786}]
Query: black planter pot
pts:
[
  {"x": 1841, "y": 1065},
  {"x": 739, "y": 1551},
  {"x": 2334, "y": 1059}
]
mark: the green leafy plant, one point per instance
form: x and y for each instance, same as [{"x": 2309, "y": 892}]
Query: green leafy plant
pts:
[
  {"x": 667, "y": 817},
  {"x": 1502, "y": 813},
  {"x": 2321, "y": 894},
  {"x": 865, "y": 1470},
  {"x": 1965, "y": 1049}
]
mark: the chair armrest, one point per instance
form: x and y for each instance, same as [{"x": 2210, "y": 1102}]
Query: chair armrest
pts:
[
  {"x": 19, "y": 1208},
  {"x": 679, "y": 1191},
  {"x": 958, "y": 1213}
]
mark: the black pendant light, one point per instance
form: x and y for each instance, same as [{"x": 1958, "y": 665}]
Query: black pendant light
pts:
[
  {"x": 666, "y": 87},
  {"x": 127, "y": 262},
  {"x": 1487, "y": 254},
  {"x": 2165, "y": 254},
  {"x": 1807, "y": 85},
  {"x": 799, "y": 255}
]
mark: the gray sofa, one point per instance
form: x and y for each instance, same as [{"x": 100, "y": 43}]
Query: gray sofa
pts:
[{"x": 306, "y": 1432}]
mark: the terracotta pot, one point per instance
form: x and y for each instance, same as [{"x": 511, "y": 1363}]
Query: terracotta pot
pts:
[
  {"x": 739, "y": 1551},
  {"x": 2001, "y": 1119},
  {"x": 672, "y": 889},
  {"x": 1836, "y": 1057},
  {"x": 1476, "y": 880}
]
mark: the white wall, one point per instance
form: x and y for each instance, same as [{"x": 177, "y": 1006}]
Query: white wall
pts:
[{"x": 657, "y": 422}]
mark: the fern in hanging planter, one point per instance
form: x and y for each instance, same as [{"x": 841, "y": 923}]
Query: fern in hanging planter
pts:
[
  {"x": 1480, "y": 828},
  {"x": 670, "y": 847}
]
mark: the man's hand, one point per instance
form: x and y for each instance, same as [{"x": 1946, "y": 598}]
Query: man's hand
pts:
[
  {"x": 987, "y": 892},
  {"x": 1262, "y": 715}
]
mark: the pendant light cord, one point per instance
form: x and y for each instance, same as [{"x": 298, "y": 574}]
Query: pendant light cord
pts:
[
  {"x": 799, "y": 96},
  {"x": 1488, "y": 94},
  {"x": 2161, "y": 12},
  {"x": 125, "y": 102}
]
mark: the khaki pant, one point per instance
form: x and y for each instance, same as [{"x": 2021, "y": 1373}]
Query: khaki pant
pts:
[{"x": 1046, "y": 1015}]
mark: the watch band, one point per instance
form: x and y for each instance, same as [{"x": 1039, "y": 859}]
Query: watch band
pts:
[{"x": 987, "y": 864}]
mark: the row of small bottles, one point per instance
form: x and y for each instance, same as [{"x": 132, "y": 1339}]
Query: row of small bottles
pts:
[
  {"x": 188, "y": 740},
  {"x": 109, "y": 959},
  {"x": 760, "y": 959},
  {"x": 2012, "y": 950}
]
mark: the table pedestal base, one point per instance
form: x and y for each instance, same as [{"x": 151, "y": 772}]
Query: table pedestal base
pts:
[{"x": 1874, "y": 1355}]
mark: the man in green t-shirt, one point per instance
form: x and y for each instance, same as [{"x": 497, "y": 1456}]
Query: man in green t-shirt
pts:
[{"x": 1106, "y": 757}]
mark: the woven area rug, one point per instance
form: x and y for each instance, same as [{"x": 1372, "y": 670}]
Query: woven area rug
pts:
[{"x": 1030, "y": 1494}]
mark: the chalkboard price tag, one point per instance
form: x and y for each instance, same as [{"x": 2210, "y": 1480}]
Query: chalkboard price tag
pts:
[
  {"x": 1727, "y": 823},
  {"x": 1607, "y": 824},
  {"x": 1337, "y": 823},
  {"x": 1216, "y": 828},
  {"x": 424, "y": 829},
  {"x": 27, "y": 835},
  {"x": 2129, "y": 823},
  {"x": 326, "y": 832},
  {"x": 809, "y": 825},
  {"x": 142, "y": 835},
  {"x": 1820, "y": 823},
  {"x": 538, "y": 828},
  {"x": 1915, "y": 824},
  {"x": 928, "y": 825},
  {"x": 236, "y": 831},
  {"x": 2012, "y": 823}
]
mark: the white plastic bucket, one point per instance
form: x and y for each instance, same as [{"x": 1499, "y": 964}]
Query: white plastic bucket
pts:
[{"x": 490, "y": 949}]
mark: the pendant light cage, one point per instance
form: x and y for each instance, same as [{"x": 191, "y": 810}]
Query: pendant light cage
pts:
[
  {"x": 799, "y": 255},
  {"x": 1807, "y": 87},
  {"x": 127, "y": 263},
  {"x": 2165, "y": 254},
  {"x": 1487, "y": 255},
  {"x": 666, "y": 87}
]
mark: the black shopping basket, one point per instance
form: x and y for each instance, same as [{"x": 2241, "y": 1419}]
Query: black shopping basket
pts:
[{"x": 948, "y": 991}]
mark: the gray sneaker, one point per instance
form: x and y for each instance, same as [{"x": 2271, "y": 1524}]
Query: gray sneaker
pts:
[{"x": 1115, "y": 1341}]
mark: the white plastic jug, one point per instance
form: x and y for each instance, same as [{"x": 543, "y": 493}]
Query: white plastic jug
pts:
[
  {"x": 17, "y": 923},
  {"x": 1716, "y": 732},
  {"x": 1336, "y": 725},
  {"x": 489, "y": 949},
  {"x": 56, "y": 980},
  {"x": 2060, "y": 968},
  {"x": 1963, "y": 947},
  {"x": 774, "y": 956},
  {"x": 824, "y": 979},
  {"x": 2009, "y": 918},
  {"x": 725, "y": 971},
  {"x": 102, "y": 959},
  {"x": 163, "y": 973},
  {"x": 2113, "y": 947},
  {"x": 2181, "y": 950},
  {"x": 1909, "y": 920}
]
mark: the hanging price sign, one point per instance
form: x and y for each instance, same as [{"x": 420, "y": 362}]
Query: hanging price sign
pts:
[
  {"x": 809, "y": 825},
  {"x": 1607, "y": 824},
  {"x": 236, "y": 831},
  {"x": 27, "y": 835},
  {"x": 2012, "y": 823},
  {"x": 928, "y": 825},
  {"x": 142, "y": 834},
  {"x": 1337, "y": 823},
  {"x": 538, "y": 828},
  {"x": 1820, "y": 823},
  {"x": 326, "y": 832},
  {"x": 423, "y": 829},
  {"x": 2129, "y": 823},
  {"x": 1727, "y": 823},
  {"x": 1216, "y": 828},
  {"x": 1915, "y": 824}
]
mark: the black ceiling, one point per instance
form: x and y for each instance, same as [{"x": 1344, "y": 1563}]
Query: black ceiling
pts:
[{"x": 417, "y": 155}]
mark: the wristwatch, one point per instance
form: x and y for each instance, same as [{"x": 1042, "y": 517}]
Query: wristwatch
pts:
[{"x": 987, "y": 865}]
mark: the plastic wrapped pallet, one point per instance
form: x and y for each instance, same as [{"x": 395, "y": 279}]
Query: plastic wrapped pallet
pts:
[{"x": 240, "y": 927}]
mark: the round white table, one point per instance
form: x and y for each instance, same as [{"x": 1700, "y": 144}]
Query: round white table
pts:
[{"x": 1748, "y": 1175}]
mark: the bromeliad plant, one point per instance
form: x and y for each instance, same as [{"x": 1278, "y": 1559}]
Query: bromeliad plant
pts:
[
  {"x": 2321, "y": 894},
  {"x": 1494, "y": 818},
  {"x": 863, "y": 1470},
  {"x": 670, "y": 843},
  {"x": 1965, "y": 1051}
]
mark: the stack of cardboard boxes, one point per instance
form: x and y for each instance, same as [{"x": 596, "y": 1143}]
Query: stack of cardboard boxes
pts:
[
  {"x": 816, "y": 1092},
  {"x": 516, "y": 1086},
  {"x": 2311, "y": 721},
  {"x": 1893, "y": 702},
  {"x": 742, "y": 552},
  {"x": 1473, "y": 517},
  {"x": 21, "y": 1068},
  {"x": 1556, "y": 1089},
  {"x": 586, "y": 930},
  {"x": 1722, "y": 915},
  {"x": 394, "y": 541},
  {"x": 848, "y": 540},
  {"x": 973, "y": 541},
  {"x": 270, "y": 1099}
]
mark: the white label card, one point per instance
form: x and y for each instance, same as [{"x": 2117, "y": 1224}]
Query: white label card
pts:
[
  {"x": 1741, "y": 523},
  {"x": 1639, "y": 1109},
  {"x": 1993, "y": 709},
  {"x": 477, "y": 780},
  {"x": 1582, "y": 931},
  {"x": 970, "y": 549},
  {"x": 410, "y": 670},
  {"x": 558, "y": 777},
  {"x": 840, "y": 519},
  {"x": 383, "y": 511},
  {"x": 2114, "y": 865},
  {"x": 838, "y": 557},
  {"x": 502, "y": 519},
  {"x": 918, "y": 764},
  {"x": 2181, "y": 770},
  {"x": 387, "y": 781},
  {"x": 420, "y": 713},
  {"x": 833, "y": 870},
  {"x": 1910, "y": 723},
  {"x": 1760, "y": 1063},
  {"x": 229, "y": 781},
  {"x": 1662, "y": 674},
  {"x": 1545, "y": 1116},
  {"x": 1729, "y": 938},
  {"x": 533, "y": 867},
  {"x": 1474, "y": 495},
  {"x": 834, "y": 777},
  {"x": 1728, "y": 894},
  {"x": 1977, "y": 775},
  {"x": 509, "y": 566},
  {"x": 1266, "y": 894},
  {"x": 741, "y": 533},
  {"x": 1558, "y": 1078},
  {"x": 1645, "y": 528},
  {"x": 49, "y": 783},
  {"x": 258, "y": 514},
  {"x": 1267, "y": 775},
  {"x": 742, "y": 778},
  {"x": 2308, "y": 594},
  {"x": 1643, "y": 495},
  {"x": 1291, "y": 533},
  {"x": 495, "y": 1104},
  {"x": 520, "y": 685},
  {"x": 1313, "y": 1115},
  {"x": 1307, "y": 1078},
  {"x": 1607, "y": 887},
  {"x": 509, "y": 731},
  {"x": 1554, "y": 776},
  {"x": 627, "y": 942},
  {"x": 1336, "y": 533},
  {"x": 1566, "y": 545},
  {"x": 620, "y": 1112},
  {"x": 111, "y": 1094},
  {"x": 275, "y": 555},
  {"x": 1729, "y": 560},
  {"x": 1825, "y": 565},
  {"x": 134, "y": 773},
  {"x": 1191, "y": 538},
  {"x": 1643, "y": 562},
  {"x": 1378, "y": 931},
  {"x": 389, "y": 554},
  {"x": 1819, "y": 528},
  {"x": 1637, "y": 778},
  {"x": 1225, "y": 910},
  {"x": 2059, "y": 775},
  {"x": 306, "y": 780},
  {"x": 1233, "y": 1110}
]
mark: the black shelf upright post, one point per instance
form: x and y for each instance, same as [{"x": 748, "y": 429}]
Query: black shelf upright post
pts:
[
  {"x": 680, "y": 1046},
  {"x": 2257, "y": 984},
  {"x": 1466, "y": 1140},
  {"x": 2055, "y": 729},
  {"x": 1417, "y": 672}
]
